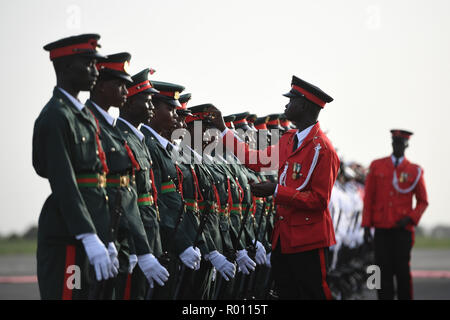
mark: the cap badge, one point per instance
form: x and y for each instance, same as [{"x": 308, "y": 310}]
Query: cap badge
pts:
[{"x": 126, "y": 66}]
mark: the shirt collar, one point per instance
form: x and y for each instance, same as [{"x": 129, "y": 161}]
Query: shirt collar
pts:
[
  {"x": 400, "y": 160},
  {"x": 303, "y": 134},
  {"x": 105, "y": 114},
  {"x": 75, "y": 102},
  {"x": 163, "y": 141},
  {"x": 139, "y": 134}
]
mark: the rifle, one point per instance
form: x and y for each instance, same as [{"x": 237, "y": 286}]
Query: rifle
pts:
[
  {"x": 200, "y": 229},
  {"x": 165, "y": 258},
  {"x": 102, "y": 290}
]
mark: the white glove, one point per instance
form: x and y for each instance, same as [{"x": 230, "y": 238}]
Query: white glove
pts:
[
  {"x": 152, "y": 269},
  {"x": 112, "y": 251},
  {"x": 260, "y": 256},
  {"x": 244, "y": 262},
  {"x": 225, "y": 267},
  {"x": 268, "y": 260},
  {"x": 190, "y": 257},
  {"x": 98, "y": 256},
  {"x": 197, "y": 266},
  {"x": 133, "y": 260}
]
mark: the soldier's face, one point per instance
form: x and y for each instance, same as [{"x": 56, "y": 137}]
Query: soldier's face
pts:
[
  {"x": 164, "y": 115},
  {"x": 115, "y": 91},
  {"x": 295, "y": 109},
  {"x": 83, "y": 73},
  {"x": 140, "y": 107},
  {"x": 399, "y": 146}
]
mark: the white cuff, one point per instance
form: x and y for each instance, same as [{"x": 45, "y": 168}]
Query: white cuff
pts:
[
  {"x": 212, "y": 254},
  {"x": 83, "y": 235}
]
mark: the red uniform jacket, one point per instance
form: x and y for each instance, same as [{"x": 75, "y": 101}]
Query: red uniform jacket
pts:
[
  {"x": 387, "y": 201},
  {"x": 303, "y": 220}
]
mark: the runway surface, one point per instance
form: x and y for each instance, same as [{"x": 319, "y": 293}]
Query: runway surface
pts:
[{"x": 431, "y": 272}]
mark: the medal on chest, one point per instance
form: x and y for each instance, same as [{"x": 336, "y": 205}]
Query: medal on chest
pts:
[
  {"x": 403, "y": 177},
  {"x": 296, "y": 170}
]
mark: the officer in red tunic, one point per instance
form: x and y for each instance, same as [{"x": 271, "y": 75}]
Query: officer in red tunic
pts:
[
  {"x": 307, "y": 168},
  {"x": 388, "y": 206}
]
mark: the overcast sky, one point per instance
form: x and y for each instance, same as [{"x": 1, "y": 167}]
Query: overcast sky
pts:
[{"x": 385, "y": 63}]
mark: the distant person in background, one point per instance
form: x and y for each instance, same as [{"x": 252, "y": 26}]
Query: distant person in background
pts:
[{"x": 388, "y": 206}]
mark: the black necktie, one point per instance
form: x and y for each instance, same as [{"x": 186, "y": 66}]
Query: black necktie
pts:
[
  {"x": 396, "y": 162},
  {"x": 294, "y": 147}
]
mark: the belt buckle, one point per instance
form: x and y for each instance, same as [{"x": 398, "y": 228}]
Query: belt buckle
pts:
[
  {"x": 101, "y": 180},
  {"x": 124, "y": 181}
]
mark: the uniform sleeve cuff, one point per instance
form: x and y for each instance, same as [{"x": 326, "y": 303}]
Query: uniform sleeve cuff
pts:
[{"x": 83, "y": 235}]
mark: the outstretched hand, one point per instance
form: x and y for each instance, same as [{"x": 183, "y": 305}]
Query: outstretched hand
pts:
[{"x": 263, "y": 189}]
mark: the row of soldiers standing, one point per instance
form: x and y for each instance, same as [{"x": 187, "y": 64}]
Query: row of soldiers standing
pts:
[{"x": 130, "y": 216}]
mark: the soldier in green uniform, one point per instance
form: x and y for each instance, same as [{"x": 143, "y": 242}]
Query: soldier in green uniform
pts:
[
  {"x": 232, "y": 213},
  {"x": 191, "y": 194},
  {"x": 199, "y": 184},
  {"x": 254, "y": 249},
  {"x": 263, "y": 125},
  {"x": 73, "y": 224},
  {"x": 176, "y": 232},
  {"x": 258, "y": 244},
  {"x": 137, "y": 108},
  {"x": 215, "y": 186},
  {"x": 110, "y": 90}
]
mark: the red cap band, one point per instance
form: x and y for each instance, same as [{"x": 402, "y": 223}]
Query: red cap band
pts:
[
  {"x": 241, "y": 121},
  {"x": 273, "y": 122},
  {"x": 138, "y": 88},
  {"x": 74, "y": 49},
  {"x": 119, "y": 66},
  {"x": 400, "y": 134},
  {"x": 309, "y": 96},
  {"x": 261, "y": 126}
]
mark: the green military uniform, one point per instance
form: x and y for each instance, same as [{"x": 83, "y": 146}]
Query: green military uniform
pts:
[
  {"x": 212, "y": 233},
  {"x": 176, "y": 235},
  {"x": 194, "y": 280},
  {"x": 121, "y": 178},
  {"x": 171, "y": 207},
  {"x": 65, "y": 149},
  {"x": 64, "y": 152},
  {"x": 147, "y": 207}
]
